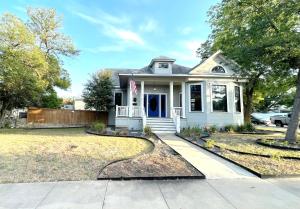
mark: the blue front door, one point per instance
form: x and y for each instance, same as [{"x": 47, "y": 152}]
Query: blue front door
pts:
[{"x": 153, "y": 105}]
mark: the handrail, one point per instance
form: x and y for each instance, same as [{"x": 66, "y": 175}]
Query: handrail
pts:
[
  {"x": 176, "y": 119},
  {"x": 144, "y": 117}
]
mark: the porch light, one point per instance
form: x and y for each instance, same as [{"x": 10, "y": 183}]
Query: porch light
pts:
[{"x": 154, "y": 89}]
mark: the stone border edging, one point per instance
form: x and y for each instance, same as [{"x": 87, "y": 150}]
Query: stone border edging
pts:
[
  {"x": 263, "y": 176},
  {"x": 258, "y": 141},
  {"x": 126, "y": 178}
]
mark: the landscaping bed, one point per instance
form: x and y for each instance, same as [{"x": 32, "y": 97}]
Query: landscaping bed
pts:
[
  {"x": 162, "y": 163},
  {"x": 243, "y": 150},
  {"x": 61, "y": 154}
]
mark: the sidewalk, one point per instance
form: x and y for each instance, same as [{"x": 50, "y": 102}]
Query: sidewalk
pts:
[
  {"x": 251, "y": 193},
  {"x": 213, "y": 167}
]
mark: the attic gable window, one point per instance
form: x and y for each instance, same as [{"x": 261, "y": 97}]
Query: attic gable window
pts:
[
  {"x": 163, "y": 65},
  {"x": 218, "y": 69}
]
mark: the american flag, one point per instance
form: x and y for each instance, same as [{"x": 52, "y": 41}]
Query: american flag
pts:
[{"x": 133, "y": 86}]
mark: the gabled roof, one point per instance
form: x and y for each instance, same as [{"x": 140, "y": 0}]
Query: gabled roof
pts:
[{"x": 176, "y": 69}]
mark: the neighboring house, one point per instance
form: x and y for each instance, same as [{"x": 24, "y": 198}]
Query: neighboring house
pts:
[
  {"x": 79, "y": 104},
  {"x": 170, "y": 97}
]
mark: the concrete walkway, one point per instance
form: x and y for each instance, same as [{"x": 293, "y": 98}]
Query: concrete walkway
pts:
[
  {"x": 251, "y": 193},
  {"x": 212, "y": 166}
]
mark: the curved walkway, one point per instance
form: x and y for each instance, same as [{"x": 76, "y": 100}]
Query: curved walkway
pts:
[{"x": 212, "y": 166}]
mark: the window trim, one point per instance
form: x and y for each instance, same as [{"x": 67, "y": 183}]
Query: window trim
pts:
[
  {"x": 240, "y": 99},
  {"x": 211, "y": 98},
  {"x": 202, "y": 98},
  {"x": 225, "y": 71},
  {"x": 121, "y": 98}
]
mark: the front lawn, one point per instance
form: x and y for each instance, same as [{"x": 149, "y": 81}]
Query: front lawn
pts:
[
  {"x": 275, "y": 165},
  {"x": 60, "y": 154}
]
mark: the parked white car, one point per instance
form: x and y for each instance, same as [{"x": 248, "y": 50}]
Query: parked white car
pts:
[{"x": 281, "y": 120}]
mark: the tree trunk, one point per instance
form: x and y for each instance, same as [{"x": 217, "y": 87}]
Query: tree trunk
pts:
[
  {"x": 248, "y": 104},
  {"x": 292, "y": 132}
]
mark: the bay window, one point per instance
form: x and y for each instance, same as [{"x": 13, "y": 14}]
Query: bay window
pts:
[{"x": 219, "y": 98}]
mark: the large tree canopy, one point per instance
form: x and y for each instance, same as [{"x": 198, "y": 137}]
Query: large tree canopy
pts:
[
  {"x": 263, "y": 38},
  {"x": 98, "y": 91},
  {"x": 30, "y": 58}
]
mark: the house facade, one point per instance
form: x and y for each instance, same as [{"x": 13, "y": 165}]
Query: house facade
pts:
[{"x": 168, "y": 97}]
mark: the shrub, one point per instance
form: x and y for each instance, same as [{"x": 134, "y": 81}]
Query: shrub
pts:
[
  {"x": 122, "y": 132},
  {"x": 147, "y": 131},
  {"x": 209, "y": 143},
  {"x": 229, "y": 128},
  {"x": 98, "y": 127},
  {"x": 211, "y": 129},
  {"x": 247, "y": 127}
]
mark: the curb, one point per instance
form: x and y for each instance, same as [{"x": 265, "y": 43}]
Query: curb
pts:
[{"x": 240, "y": 165}]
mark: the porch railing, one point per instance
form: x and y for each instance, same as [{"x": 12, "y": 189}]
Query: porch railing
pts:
[
  {"x": 123, "y": 111},
  {"x": 178, "y": 111},
  {"x": 176, "y": 119}
]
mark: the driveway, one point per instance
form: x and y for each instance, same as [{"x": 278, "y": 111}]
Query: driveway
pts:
[{"x": 248, "y": 193}]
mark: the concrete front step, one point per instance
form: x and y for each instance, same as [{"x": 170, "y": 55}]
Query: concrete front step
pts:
[{"x": 161, "y": 125}]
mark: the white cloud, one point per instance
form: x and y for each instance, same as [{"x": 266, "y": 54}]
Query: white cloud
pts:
[
  {"x": 186, "y": 30},
  {"x": 149, "y": 26},
  {"x": 192, "y": 45},
  {"x": 108, "y": 48},
  {"x": 187, "y": 52},
  {"x": 112, "y": 26}
]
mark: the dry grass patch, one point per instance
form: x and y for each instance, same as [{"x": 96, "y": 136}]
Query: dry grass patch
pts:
[{"x": 60, "y": 154}]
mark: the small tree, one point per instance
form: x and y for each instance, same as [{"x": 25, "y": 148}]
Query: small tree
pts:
[{"x": 98, "y": 91}]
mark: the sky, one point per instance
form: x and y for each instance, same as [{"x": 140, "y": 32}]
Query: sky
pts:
[{"x": 124, "y": 33}]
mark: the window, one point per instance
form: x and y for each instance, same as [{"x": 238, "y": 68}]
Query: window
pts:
[
  {"x": 196, "y": 100},
  {"x": 218, "y": 69},
  {"x": 163, "y": 65},
  {"x": 219, "y": 98},
  {"x": 118, "y": 98},
  {"x": 180, "y": 99},
  {"x": 237, "y": 98}
]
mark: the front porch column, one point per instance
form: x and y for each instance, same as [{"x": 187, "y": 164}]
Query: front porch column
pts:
[
  {"x": 183, "y": 98},
  {"x": 130, "y": 99},
  {"x": 142, "y": 98},
  {"x": 171, "y": 98}
]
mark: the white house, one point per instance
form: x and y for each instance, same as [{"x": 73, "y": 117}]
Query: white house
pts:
[{"x": 169, "y": 97}]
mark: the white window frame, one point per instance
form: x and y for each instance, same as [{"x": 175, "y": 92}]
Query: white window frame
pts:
[
  {"x": 211, "y": 97},
  {"x": 235, "y": 100},
  {"x": 202, "y": 98},
  {"x": 121, "y": 98},
  {"x": 218, "y": 73}
]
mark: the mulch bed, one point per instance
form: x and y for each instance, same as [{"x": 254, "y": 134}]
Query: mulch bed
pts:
[{"x": 162, "y": 163}]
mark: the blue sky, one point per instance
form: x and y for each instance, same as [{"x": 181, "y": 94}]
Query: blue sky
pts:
[{"x": 124, "y": 33}]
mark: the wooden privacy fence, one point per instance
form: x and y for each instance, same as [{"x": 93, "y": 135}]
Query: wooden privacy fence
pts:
[{"x": 59, "y": 117}]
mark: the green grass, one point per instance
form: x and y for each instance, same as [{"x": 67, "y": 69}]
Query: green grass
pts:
[{"x": 60, "y": 154}]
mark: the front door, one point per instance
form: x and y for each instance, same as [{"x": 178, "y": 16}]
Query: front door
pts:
[{"x": 153, "y": 105}]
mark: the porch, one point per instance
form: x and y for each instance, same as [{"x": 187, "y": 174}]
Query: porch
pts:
[{"x": 159, "y": 99}]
